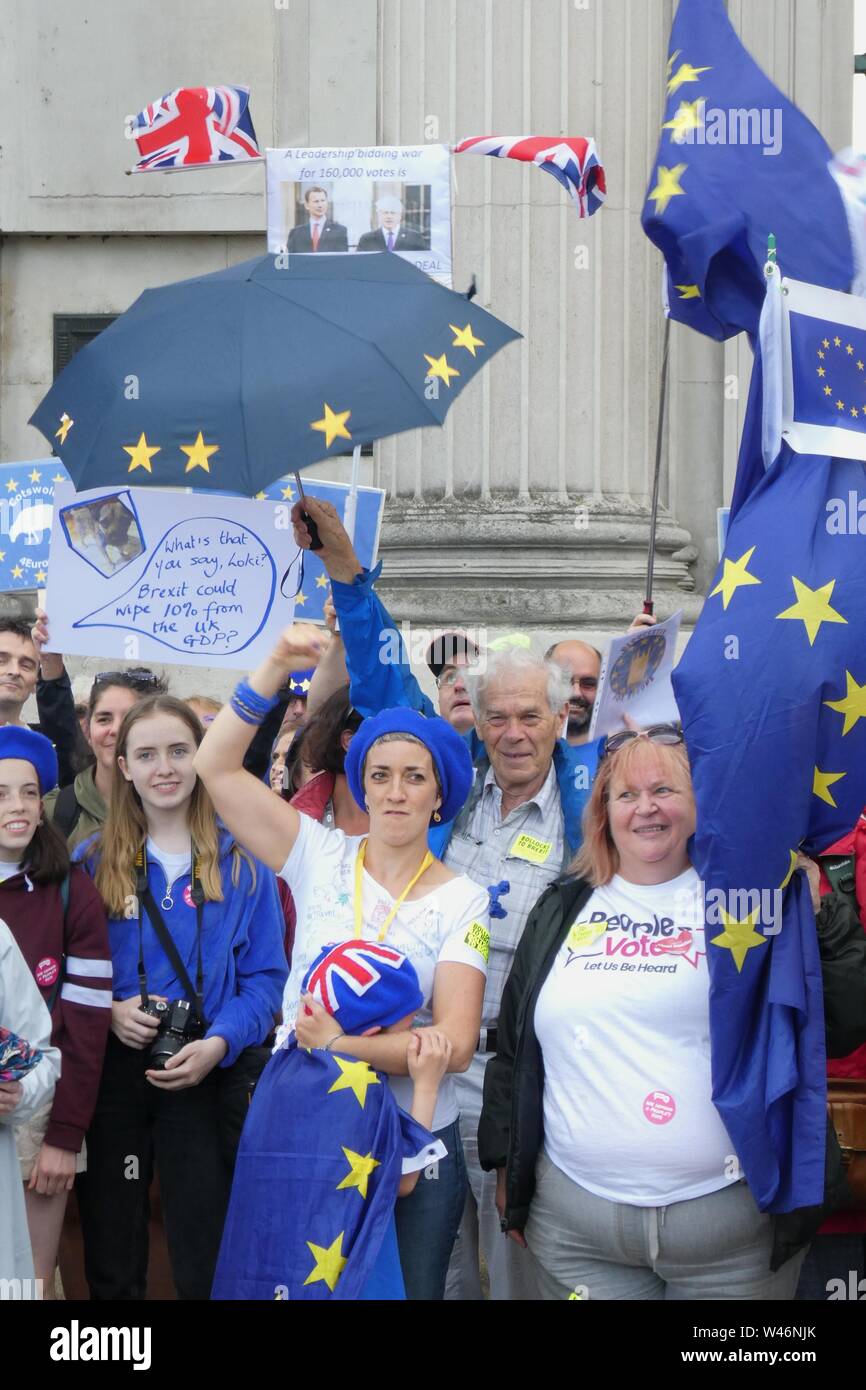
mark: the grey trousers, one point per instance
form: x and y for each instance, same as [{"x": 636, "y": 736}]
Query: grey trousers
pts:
[
  {"x": 510, "y": 1270},
  {"x": 713, "y": 1247}
]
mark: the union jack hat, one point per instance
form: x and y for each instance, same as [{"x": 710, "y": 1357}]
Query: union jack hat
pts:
[{"x": 364, "y": 984}]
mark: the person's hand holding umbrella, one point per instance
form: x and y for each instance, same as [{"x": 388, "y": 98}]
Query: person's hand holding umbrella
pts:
[{"x": 337, "y": 553}]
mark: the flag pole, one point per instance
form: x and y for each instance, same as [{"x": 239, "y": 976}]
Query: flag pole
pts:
[
  {"x": 352, "y": 499},
  {"x": 654, "y": 510}
]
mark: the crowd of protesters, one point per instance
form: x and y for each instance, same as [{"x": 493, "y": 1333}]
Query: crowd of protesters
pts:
[{"x": 194, "y": 898}]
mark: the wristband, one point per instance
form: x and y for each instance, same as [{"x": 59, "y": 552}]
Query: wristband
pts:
[
  {"x": 334, "y": 1039},
  {"x": 249, "y": 705}
]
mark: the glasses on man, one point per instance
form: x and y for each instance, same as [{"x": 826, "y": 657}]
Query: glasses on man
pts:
[
  {"x": 450, "y": 676},
  {"x": 585, "y": 683},
  {"x": 667, "y": 734},
  {"x": 138, "y": 675}
]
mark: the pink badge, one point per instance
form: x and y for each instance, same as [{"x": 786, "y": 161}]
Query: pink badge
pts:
[
  {"x": 659, "y": 1107},
  {"x": 47, "y": 970},
  {"x": 187, "y": 895}
]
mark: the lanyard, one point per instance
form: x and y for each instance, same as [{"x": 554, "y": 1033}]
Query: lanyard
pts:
[{"x": 359, "y": 873}]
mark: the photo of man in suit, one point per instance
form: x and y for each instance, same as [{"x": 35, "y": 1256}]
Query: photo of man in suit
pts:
[
  {"x": 318, "y": 233},
  {"x": 391, "y": 235}
]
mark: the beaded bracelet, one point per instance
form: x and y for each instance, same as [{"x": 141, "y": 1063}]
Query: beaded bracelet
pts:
[{"x": 249, "y": 705}]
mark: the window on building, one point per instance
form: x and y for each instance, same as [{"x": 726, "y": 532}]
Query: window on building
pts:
[{"x": 72, "y": 332}]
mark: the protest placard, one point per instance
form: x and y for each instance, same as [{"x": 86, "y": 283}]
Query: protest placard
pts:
[
  {"x": 636, "y": 680},
  {"x": 390, "y": 198},
  {"x": 26, "y": 503},
  {"x": 176, "y": 577}
]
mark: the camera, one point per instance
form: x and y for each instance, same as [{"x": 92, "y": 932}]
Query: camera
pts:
[{"x": 178, "y": 1025}]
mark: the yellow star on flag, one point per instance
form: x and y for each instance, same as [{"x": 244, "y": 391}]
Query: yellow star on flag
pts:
[
  {"x": 321, "y": 581},
  {"x": 792, "y": 864},
  {"x": 854, "y": 410},
  {"x": 65, "y": 426},
  {"x": 2, "y": 554},
  {"x": 198, "y": 454},
  {"x": 736, "y": 573},
  {"x": 838, "y": 342},
  {"x": 853, "y": 706},
  {"x": 439, "y": 367},
  {"x": 688, "y": 291},
  {"x": 823, "y": 781},
  {"x": 849, "y": 350},
  {"x": 301, "y": 598},
  {"x": 332, "y": 425},
  {"x": 58, "y": 478},
  {"x": 684, "y": 73},
  {"x": 330, "y": 1262},
  {"x": 859, "y": 366},
  {"x": 739, "y": 937},
  {"x": 36, "y": 476},
  {"x": 669, "y": 67},
  {"x": 289, "y": 494},
  {"x": 820, "y": 353},
  {"x": 354, "y": 1077},
  {"x": 812, "y": 607},
  {"x": 465, "y": 338},
  {"x": 840, "y": 405},
  {"x": 360, "y": 1168},
  {"x": 822, "y": 371},
  {"x": 667, "y": 186},
  {"x": 826, "y": 341},
  {"x": 260, "y": 497},
  {"x": 17, "y": 572},
  {"x": 828, "y": 390},
  {"x": 687, "y": 117},
  {"x": 11, "y": 486},
  {"x": 140, "y": 454},
  {"x": 41, "y": 576}
]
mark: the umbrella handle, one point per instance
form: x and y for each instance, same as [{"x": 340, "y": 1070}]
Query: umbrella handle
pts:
[{"x": 315, "y": 539}]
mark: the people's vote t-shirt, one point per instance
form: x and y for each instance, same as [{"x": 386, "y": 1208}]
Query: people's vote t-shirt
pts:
[
  {"x": 623, "y": 1024},
  {"x": 448, "y": 924}
]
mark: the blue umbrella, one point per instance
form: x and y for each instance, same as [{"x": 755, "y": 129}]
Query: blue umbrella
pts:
[{"x": 228, "y": 381}]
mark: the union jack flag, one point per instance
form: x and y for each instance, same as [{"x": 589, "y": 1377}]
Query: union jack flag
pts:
[
  {"x": 195, "y": 126},
  {"x": 573, "y": 161},
  {"x": 353, "y": 962}
]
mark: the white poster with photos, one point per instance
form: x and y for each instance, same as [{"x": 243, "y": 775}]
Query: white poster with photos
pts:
[{"x": 354, "y": 200}]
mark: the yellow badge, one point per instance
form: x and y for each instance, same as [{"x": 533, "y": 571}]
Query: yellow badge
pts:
[
  {"x": 529, "y": 848},
  {"x": 585, "y": 934},
  {"x": 478, "y": 938}
]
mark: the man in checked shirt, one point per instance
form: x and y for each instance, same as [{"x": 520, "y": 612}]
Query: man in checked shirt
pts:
[{"x": 519, "y": 828}]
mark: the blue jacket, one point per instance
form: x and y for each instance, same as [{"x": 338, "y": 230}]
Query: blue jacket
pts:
[
  {"x": 381, "y": 678},
  {"x": 243, "y": 958}
]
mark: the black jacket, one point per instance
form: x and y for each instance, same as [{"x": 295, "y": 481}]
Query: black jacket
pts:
[
  {"x": 57, "y": 721},
  {"x": 408, "y": 239},
  {"x": 511, "y": 1130},
  {"x": 333, "y": 237}
]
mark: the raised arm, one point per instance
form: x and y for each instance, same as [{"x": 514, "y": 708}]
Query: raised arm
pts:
[
  {"x": 379, "y": 672},
  {"x": 331, "y": 673},
  {"x": 263, "y": 823}
]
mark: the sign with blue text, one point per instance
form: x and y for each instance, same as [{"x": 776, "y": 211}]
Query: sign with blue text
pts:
[
  {"x": 141, "y": 574},
  {"x": 26, "y": 503}
]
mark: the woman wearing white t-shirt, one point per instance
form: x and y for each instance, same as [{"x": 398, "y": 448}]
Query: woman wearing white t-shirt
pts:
[
  {"x": 408, "y": 772},
  {"x": 623, "y": 1178}
]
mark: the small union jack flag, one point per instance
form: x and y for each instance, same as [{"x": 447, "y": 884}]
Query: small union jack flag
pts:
[
  {"x": 355, "y": 963},
  {"x": 573, "y": 161},
  {"x": 195, "y": 126}
]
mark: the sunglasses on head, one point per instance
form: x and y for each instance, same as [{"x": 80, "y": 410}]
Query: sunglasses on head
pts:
[
  {"x": 139, "y": 675},
  {"x": 667, "y": 734}
]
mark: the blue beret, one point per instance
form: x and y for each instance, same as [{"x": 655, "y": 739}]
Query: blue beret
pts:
[
  {"x": 364, "y": 984},
  {"x": 450, "y": 754},
  {"x": 299, "y": 684},
  {"x": 17, "y": 741}
]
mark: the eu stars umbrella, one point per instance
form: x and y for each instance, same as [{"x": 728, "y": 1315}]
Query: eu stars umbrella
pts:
[{"x": 228, "y": 381}]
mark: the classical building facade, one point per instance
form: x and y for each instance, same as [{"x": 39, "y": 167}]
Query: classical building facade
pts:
[{"x": 530, "y": 507}]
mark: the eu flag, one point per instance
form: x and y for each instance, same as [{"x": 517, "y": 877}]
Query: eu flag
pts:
[
  {"x": 772, "y": 692},
  {"x": 736, "y": 161}
]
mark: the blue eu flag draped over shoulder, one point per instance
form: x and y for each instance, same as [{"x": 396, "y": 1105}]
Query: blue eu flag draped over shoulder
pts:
[{"x": 772, "y": 686}]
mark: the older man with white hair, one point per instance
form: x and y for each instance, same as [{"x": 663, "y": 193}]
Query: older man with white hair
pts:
[
  {"x": 518, "y": 829},
  {"x": 391, "y": 234}
]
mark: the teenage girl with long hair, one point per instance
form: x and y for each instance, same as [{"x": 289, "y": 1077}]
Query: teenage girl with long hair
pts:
[{"x": 194, "y": 924}]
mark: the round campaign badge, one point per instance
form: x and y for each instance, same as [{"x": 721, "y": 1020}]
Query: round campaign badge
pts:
[
  {"x": 47, "y": 970},
  {"x": 659, "y": 1107},
  {"x": 187, "y": 895}
]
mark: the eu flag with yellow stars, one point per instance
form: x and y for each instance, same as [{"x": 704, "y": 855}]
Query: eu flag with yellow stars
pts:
[
  {"x": 315, "y": 1186},
  {"x": 772, "y": 693},
  {"x": 736, "y": 161}
]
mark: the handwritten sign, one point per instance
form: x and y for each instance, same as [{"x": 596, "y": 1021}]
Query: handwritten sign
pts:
[
  {"x": 636, "y": 680},
  {"x": 173, "y": 577}
]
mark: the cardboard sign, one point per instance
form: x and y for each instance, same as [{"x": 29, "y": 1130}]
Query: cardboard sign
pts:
[{"x": 636, "y": 680}]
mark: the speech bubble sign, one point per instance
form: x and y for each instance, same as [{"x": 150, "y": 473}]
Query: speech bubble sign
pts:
[{"x": 208, "y": 587}]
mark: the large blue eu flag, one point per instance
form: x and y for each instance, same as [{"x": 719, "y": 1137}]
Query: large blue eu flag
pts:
[{"x": 736, "y": 160}]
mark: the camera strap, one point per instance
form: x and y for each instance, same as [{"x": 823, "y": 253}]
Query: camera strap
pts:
[{"x": 147, "y": 902}]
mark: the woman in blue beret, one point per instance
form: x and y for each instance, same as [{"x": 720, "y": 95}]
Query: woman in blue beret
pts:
[{"x": 407, "y": 772}]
